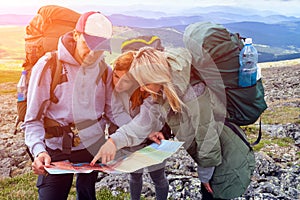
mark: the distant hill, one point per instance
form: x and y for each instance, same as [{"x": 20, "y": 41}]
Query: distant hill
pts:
[
  {"x": 275, "y": 36},
  {"x": 131, "y": 21},
  {"x": 274, "y": 41},
  {"x": 277, "y": 41},
  {"x": 279, "y": 35}
]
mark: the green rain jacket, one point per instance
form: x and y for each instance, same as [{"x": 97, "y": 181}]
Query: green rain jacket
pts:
[
  {"x": 195, "y": 125},
  {"x": 209, "y": 142}
]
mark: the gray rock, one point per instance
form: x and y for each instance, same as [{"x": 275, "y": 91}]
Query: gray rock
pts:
[
  {"x": 4, "y": 172},
  {"x": 275, "y": 177}
]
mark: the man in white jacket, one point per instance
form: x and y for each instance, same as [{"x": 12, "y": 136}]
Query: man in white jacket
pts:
[{"x": 82, "y": 99}]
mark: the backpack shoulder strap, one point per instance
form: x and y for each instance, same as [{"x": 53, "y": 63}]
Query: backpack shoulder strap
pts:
[
  {"x": 56, "y": 71},
  {"x": 103, "y": 72},
  {"x": 238, "y": 133},
  {"x": 259, "y": 134},
  {"x": 55, "y": 66}
]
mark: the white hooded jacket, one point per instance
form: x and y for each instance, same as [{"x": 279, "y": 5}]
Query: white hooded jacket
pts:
[{"x": 80, "y": 98}]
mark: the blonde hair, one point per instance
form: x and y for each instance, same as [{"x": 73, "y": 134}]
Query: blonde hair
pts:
[{"x": 150, "y": 66}]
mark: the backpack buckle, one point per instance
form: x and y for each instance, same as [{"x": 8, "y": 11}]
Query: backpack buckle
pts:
[
  {"x": 76, "y": 138},
  {"x": 74, "y": 130}
]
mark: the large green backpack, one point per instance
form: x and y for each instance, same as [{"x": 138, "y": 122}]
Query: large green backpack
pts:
[{"x": 215, "y": 60}]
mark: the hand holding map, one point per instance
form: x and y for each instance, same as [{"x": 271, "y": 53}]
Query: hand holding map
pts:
[{"x": 147, "y": 156}]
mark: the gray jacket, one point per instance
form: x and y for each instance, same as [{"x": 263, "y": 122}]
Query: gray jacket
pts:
[{"x": 134, "y": 129}]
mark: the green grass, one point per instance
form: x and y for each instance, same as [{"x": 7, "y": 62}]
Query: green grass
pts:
[
  {"x": 252, "y": 132},
  {"x": 23, "y": 187},
  {"x": 9, "y": 76},
  {"x": 20, "y": 187},
  {"x": 274, "y": 115},
  {"x": 10, "y": 72},
  {"x": 106, "y": 194},
  {"x": 12, "y": 43},
  {"x": 266, "y": 141},
  {"x": 281, "y": 115}
]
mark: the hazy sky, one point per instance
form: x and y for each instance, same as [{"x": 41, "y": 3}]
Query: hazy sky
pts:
[{"x": 287, "y": 7}]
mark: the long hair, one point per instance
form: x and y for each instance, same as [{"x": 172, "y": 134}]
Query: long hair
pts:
[
  {"x": 123, "y": 63},
  {"x": 150, "y": 66}
]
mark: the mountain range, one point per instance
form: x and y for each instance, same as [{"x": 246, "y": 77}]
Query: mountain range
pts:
[{"x": 277, "y": 37}]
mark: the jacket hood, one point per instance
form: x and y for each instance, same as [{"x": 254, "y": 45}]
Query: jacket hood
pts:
[{"x": 66, "y": 49}]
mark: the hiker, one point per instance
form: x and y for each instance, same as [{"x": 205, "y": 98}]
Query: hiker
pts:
[
  {"x": 83, "y": 94},
  {"x": 135, "y": 121},
  {"x": 151, "y": 71}
]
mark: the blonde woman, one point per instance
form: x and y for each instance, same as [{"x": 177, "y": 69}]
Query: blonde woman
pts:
[{"x": 166, "y": 77}]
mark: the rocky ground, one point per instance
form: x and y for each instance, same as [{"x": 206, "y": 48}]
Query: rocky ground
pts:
[{"x": 277, "y": 168}]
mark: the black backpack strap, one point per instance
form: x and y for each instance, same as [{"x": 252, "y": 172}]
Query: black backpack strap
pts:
[
  {"x": 259, "y": 134},
  {"x": 30, "y": 155},
  {"x": 238, "y": 133}
]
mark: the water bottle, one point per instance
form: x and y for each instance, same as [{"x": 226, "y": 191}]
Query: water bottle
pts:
[
  {"x": 248, "y": 64},
  {"x": 22, "y": 87}
]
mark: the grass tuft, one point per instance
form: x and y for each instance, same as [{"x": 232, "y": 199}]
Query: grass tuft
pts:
[
  {"x": 267, "y": 141},
  {"x": 281, "y": 115},
  {"x": 23, "y": 187},
  {"x": 19, "y": 187}
]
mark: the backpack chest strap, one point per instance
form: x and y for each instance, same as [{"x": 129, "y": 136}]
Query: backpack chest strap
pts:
[{"x": 59, "y": 131}]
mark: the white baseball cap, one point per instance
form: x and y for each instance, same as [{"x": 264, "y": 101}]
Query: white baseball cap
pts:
[{"x": 96, "y": 29}]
